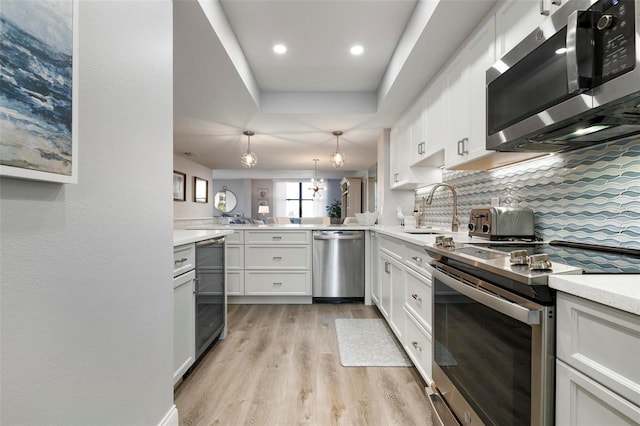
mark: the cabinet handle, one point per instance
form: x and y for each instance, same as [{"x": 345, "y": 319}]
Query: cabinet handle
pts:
[
  {"x": 543, "y": 11},
  {"x": 277, "y": 237},
  {"x": 386, "y": 267},
  {"x": 462, "y": 146},
  {"x": 277, "y": 257},
  {"x": 556, "y": 2},
  {"x": 396, "y": 177},
  {"x": 277, "y": 283},
  {"x": 416, "y": 297},
  {"x": 417, "y": 346},
  {"x": 417, "y": 259},
  {"x": 182, "y": 259}
]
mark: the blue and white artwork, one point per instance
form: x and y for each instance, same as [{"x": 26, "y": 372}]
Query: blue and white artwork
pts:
[{"x": 36, "y": 90}]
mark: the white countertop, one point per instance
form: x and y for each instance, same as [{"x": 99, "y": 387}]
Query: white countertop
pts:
[
  {"x": 187, "y": 236},
  {"x": 619, "y": 291}
]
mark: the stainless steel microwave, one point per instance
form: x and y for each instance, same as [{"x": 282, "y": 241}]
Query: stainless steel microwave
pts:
[{"x": 572, "y": 83}]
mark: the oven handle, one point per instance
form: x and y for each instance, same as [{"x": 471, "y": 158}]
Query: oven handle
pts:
[{"x": 511, "y": 309}]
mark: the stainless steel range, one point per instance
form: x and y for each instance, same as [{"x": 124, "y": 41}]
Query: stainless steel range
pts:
[{"x": 493, "y": 329}]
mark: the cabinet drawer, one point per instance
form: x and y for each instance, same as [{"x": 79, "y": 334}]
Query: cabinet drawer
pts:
[
  {"x": 418, "y": 345},
  {"x": 236, "y": 238},
  {"x": 184, "y": 258},
  {"x": 277, "y": 257},
  {"x": 418, "y": 298},
  {"x": 277, "y": 237},
  {"x": 418, "y": 259},
  {"x": 393, "y": 247},
  {"x": 235, "y": 257},
  {"x": 601, "y": 342},
  {"x": 235, "y": 283},
  {"x": 582, "y": 401},
  {"x": 277, "y": 283}
]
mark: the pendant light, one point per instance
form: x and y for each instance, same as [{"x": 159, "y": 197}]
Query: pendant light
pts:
[
  {"x": 249, "y": 159},
  {"x": 315, "y": 183},
  {"x": 337, "y": 158}
]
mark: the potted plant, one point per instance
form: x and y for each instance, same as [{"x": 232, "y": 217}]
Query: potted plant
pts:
[{"x": 334, "y": 210}]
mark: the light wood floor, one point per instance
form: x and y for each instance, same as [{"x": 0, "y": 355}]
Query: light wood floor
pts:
[{"x": 279, "y": 365}]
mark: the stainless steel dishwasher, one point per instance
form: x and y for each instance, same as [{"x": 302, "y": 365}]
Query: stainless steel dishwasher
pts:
[{"x": 338, "y": 266}]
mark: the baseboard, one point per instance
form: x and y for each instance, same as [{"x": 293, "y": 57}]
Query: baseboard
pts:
[
  {"x": 171, "y": 418},
  {"x": 269, "y": 300}
]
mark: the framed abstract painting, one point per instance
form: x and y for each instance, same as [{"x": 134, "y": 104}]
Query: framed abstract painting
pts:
[{"x": 39, "y": 100}]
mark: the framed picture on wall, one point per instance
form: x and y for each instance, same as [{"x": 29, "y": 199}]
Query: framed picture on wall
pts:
[
  {"x": 200, "y": 190},
  {"x": 179, "y": 186},
  {"x": 263, "y": 193},
  {"x": 39, "y": 123}
]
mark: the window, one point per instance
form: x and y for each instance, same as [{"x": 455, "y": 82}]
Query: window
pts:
[{"x": 298, "y": 199}]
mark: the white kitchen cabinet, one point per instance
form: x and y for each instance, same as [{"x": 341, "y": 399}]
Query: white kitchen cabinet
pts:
[
  {"x": 184, "y": 311},
  {"x": 374, "y": 240},
  {"x": 274, "y": 263},
  {"x": 418, "y": 345},
  {"x": 235, "y": 263},
  {"x": 466, "y": 143},
  {"x": 467, "y": 96},
  {"x": 436, "y": 117},
  {"x": 598, "y": 372},
  {"x": 583, "y": 401},
  {"x": 516, "y": 19},
  {"x": 404, "y": 175},
  {"x": 398, "y": 158},
  {"x": 406, "y": 299},
  {"x": 391, "y": 289},
  {"x": 416, "y": 150}
]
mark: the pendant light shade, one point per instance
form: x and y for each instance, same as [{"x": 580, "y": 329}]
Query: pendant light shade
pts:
[
  {"x": 249, "y": 159},
  {"x": 337, "y": 158}
]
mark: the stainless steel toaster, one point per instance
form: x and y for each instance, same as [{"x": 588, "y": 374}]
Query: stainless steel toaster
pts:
[{"x": 501, "y": 223}]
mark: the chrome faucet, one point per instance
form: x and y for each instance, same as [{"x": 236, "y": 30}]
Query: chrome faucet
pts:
[{"x": 429, "y": 198}]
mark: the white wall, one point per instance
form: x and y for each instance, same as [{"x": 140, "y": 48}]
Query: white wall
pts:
[
  {"x": 189, "y": 209},
  {"x": 86, "y": 291}
]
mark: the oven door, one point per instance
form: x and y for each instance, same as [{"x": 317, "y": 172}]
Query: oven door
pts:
[
  {"x": 541, "y": 81},
  {"x": 493, "y": 357}
]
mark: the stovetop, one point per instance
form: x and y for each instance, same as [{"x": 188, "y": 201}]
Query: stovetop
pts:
[
  {"x": 497, "y": 262},
  {"x": 592, "y": 260}
]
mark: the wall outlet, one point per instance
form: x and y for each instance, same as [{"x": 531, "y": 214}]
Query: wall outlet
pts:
[{"x": 495, "y": 201}]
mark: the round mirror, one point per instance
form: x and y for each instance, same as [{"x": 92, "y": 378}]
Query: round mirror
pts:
[{"x": 225, "y": 200}]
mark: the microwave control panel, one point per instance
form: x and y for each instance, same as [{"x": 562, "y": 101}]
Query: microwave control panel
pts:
[{"x": 615, "y": 26}]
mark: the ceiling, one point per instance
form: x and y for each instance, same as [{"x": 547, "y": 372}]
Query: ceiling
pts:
[{"x": 227, "y": 79}]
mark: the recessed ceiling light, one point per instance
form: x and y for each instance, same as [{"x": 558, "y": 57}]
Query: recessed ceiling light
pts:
[
  {"x": 357, "y": 50},
  {"x": 280, "y": 49}
]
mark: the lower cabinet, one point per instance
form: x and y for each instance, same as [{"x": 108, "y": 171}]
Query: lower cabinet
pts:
[
  {"x": 184, "y": 324},
  {"x": 405, "y": 299},
  {"x": 375, "y": 268},
  {"x": 597, "y": 366},
  {"x": 583, "y": 401},
  {"x": 418, "y": 345},
  {"x": 277, "y": 283},
  {"x": 269, "y": 263}
]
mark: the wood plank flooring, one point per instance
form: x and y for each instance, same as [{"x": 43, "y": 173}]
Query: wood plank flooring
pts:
[{"x": 279, "y": 365}]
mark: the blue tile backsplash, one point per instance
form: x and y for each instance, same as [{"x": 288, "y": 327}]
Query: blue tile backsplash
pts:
[{"x": 590, "y": 195}]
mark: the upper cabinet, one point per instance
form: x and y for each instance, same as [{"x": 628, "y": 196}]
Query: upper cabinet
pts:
[
  {"x": 467, "y": 95},
  {"x": 436, "y": 121},
  {"x": 516, "y": 19},
  {"x": 404, "y": 172}
]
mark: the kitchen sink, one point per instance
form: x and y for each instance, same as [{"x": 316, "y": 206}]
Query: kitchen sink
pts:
[{"x": 423, "y": 231}]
